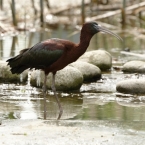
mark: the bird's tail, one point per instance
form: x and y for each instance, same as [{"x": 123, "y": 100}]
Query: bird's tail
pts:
[{"x": 15, "y": 64}]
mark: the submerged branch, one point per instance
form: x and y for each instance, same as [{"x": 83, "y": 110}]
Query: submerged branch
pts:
[{"x": 133, "y": 54}]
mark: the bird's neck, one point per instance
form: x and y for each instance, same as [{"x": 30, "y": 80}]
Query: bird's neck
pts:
[{"x": 84, "y": 41}]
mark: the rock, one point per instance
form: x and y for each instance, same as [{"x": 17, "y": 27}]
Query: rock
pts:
[
  {"x": 100, "y": 58},
  {"x": 7, "y": 76},
  {"x": 134, "y": 67},
  {"x": 67, "y": 79},
  {"x": 86, "y": 56},
  {"x": 89, "y": 71},
  {"x": 37, "y": 78},
  {"x": 131, "y": 86}
]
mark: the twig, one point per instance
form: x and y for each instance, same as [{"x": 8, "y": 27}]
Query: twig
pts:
[{"x": 133, "y": 54}]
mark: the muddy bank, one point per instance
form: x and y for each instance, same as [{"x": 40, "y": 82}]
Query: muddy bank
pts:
[{"x": 24, "y": 132}]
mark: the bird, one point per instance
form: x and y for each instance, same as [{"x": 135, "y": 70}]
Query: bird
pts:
[{"x": 54, "y": 54}]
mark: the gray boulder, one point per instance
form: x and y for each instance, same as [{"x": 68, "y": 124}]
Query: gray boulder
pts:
[
  {"x": 90, "y": 72},
  {"x": 131, "y": 86},
  {"x": 134, "y": 67},
  {"x": 67, "y": 79},
  {"x": 7, "y": 76},
  {"x": 100, "y": 58}
]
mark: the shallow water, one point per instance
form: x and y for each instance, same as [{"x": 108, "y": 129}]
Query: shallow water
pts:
[{"x": 94, "y": 101}]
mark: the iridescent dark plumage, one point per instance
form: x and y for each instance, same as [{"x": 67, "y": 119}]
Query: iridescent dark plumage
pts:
[{"x": 54, "y": 54}]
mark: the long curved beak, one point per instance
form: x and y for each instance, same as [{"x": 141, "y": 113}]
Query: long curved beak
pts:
[{"x": 109, "y": 32}]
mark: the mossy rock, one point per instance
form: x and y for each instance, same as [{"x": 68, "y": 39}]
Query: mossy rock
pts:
[
  {"x": 100, "y": 58},
  {"x": 89, "y": 71},
  {"x": 66, "y": 79},
  {"x": 135, "y": 66},
  {"x": 7, "y": 76}
]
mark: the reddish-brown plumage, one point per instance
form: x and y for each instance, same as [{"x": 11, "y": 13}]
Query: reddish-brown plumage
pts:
[
  {"x": 54, "y": 54},
  {"x": 66, "y": 58},
  {"x": 72, "y": 51}
]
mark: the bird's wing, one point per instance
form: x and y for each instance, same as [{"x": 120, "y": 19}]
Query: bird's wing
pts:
[
  {"x": 43, "y": 54},
  {"x": 39, "y": 56}
]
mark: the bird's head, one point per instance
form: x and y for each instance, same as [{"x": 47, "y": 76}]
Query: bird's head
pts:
[{"x": 93, "y": 28}]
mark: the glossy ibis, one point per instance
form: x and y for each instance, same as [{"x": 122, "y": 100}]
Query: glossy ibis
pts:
[{"x": 53, "y": 55}]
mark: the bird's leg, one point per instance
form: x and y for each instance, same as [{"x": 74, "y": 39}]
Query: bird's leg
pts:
[
  {"x": 44, "y": 93},
  {"x": 57, "y": 99}
]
